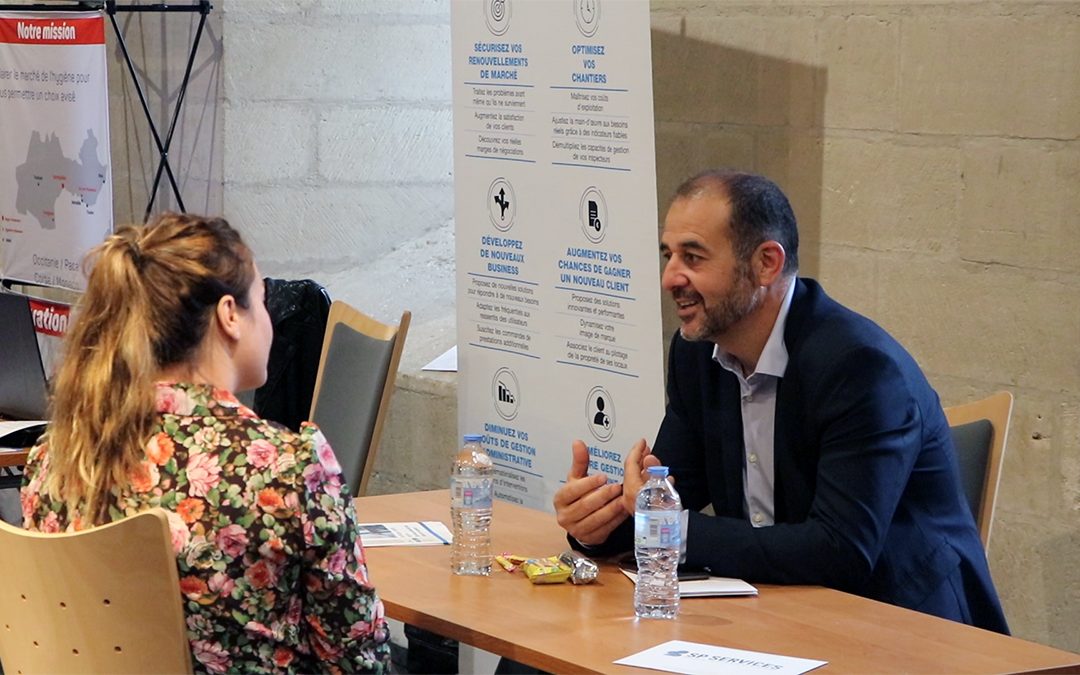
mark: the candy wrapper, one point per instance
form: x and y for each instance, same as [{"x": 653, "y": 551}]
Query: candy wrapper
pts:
[
  {"x": 583, "y": 570},
  {"x": 510, "y": 562},
  {"x": 546, "y": 570}
]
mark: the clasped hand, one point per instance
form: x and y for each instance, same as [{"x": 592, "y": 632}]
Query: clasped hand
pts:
[{"x": 587, "y": 506}]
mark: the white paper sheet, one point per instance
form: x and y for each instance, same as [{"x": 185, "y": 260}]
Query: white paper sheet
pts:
[
  {"x": 417, "y": 533},
  {"x": 678, "y": 656},
  {"x": 445, "y": 362},
  {"x": 711, "y": 587},
  {"x": 11, "y": 427}
]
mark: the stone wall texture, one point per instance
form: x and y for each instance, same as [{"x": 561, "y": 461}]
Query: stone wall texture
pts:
[
  {"x": 337, "y": 127},
  {"x": 932, "y": 154}
]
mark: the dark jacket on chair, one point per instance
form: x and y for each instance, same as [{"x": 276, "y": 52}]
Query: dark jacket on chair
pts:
[{"x": 298, "y": 310}]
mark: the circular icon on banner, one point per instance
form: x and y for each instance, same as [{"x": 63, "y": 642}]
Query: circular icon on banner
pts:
[
  {"x": 502, "y": 204},
  {"x": 587, "y": 15},
  {"x": 497, "y": 15},
  {"x": 600, "y": 410},
  {"x": 593, "y": 213},
  {"x": 505, "y": 394}
]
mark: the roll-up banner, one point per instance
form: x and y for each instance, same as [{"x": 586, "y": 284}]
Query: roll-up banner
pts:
[
  {"x": 558, "y": 299},
  {"x": 55, "y": 178}
]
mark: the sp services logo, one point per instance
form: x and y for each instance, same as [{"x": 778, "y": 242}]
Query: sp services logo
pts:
[{"x": 730, "y": 660}]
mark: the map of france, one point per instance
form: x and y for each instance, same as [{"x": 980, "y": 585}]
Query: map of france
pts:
[{"x": 47, "y": 174}]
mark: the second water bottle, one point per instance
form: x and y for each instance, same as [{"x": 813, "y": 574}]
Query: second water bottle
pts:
[{"x": 470, "y": 508}]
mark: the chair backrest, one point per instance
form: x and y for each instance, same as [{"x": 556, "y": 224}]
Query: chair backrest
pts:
[
  {"x": 103, "y": 600},
  {"x": 357, "y": 373},
  {"x": 979, "y": 431}
]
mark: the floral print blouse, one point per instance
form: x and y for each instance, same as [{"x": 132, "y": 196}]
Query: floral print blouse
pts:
[{"x": 272, "y": 571}]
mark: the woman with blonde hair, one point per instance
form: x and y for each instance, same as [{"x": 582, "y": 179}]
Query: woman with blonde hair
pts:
[{"x": 271, "y": 568}]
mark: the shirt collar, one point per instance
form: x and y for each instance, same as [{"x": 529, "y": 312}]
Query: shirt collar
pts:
[
  {"x": 774, "y": 357},
  {"x": 185, "y": 398}
]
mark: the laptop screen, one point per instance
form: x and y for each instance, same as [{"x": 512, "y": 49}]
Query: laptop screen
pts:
[{"x": 23, "y": 389}]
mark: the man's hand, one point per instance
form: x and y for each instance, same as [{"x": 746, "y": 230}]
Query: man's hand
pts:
[
  {"x": 587, "y": 506},
  {"x": 636, "y": 472}
]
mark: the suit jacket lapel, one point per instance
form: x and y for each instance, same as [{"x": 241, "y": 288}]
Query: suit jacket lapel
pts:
[
  {"x": 731, "y": 448},
  {"x": 793, "y": 486}
]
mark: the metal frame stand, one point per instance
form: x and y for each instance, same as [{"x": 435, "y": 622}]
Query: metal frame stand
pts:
[{"x": 110, "y": 7}]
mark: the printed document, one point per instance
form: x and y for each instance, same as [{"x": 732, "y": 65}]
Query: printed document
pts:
[{"x": 420, "y": 533}]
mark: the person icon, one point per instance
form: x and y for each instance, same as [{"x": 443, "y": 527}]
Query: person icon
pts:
[{"x": 601, "y": 419}]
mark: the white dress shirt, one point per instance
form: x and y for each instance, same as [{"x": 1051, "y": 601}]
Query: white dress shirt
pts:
[{"x": 758, "y": 399}]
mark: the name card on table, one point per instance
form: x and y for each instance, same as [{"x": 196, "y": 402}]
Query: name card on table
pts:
[{"x": 677, "y": 656}]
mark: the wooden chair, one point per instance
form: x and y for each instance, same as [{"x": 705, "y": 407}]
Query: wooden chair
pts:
[
  {"x": 103, "y": 600},
  {"x": 979, "y": 431},
  {"x": 356, "y": 379}
]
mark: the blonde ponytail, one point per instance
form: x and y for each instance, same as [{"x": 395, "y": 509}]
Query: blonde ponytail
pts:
[{"x": 147, "y": 304}]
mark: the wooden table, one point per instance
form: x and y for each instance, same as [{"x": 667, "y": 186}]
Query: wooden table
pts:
[
  {"x": 565, "y": 628},
  {"x": 16, "y": 457},
  {"x": 11, "y": 459}
]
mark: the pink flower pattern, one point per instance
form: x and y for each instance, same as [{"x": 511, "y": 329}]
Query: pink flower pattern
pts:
[
  {"x": 203, "y": 474},
  {"x": 261, "y": 453},
  {"x": 284, "y": 593}
]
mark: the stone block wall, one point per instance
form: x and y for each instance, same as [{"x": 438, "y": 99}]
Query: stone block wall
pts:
[
  {"x": 337, "y": 127},
  {"x": 932, "y": 154}
]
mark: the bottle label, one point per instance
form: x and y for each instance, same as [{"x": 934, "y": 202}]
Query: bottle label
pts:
[
  {"x": 657, "y": 529},
  {"x": 470, "y": 493}
]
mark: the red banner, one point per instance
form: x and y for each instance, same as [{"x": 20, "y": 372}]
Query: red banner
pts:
[
  {"x": 50, "y": 318},
  {"x": 30, "y": 31}
]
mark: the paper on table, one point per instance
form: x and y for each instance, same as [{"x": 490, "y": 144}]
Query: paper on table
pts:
[
  {"x": 419, "y": 533},
  {"x": 678, "y": 656},
  {"x": 445, "y": 362},
  {"x": 12, "y": 429},
  {"x": 711, "y": 587}
]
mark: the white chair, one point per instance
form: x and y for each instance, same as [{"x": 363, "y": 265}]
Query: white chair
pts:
[{"x": 103, "y": 600}]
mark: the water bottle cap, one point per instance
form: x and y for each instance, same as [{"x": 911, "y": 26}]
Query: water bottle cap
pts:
[
  {"x": 473, "y": 438},
  {"x": 661, "y": 471}
]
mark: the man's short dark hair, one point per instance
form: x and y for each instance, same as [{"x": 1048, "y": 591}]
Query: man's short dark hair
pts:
[{"x": 760, "y": 211}]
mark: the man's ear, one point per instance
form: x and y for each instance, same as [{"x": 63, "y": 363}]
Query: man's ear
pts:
[
  {"x": 768, "y": 262},
  {"x": 227, "y": 315}
]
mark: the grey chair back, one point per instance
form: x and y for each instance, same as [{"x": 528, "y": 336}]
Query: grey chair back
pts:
[
  {"x": 979, "y": 430},
  {"x": 355, "y": 382},
  {"x": 972, "y": 442}
]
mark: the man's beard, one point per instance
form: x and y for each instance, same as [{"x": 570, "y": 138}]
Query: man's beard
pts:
[{"x": 739, "y": 303}]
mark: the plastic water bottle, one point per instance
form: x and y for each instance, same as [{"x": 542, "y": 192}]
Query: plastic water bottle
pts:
[
  {"x": 657, "y": 547},
  {"x": 470, "y": 509}
]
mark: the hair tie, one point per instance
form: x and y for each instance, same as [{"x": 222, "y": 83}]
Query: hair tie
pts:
[{"x": 136, "y": 254}]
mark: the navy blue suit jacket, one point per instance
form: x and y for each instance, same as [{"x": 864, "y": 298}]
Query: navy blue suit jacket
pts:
[{"x": 867, "y": 495}]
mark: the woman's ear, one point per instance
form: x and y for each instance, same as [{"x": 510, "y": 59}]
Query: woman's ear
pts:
[{"x": 227, "y": 315}]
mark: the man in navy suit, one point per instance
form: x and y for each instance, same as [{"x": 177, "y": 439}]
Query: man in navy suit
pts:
[{"x": 813, "y": 434}]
